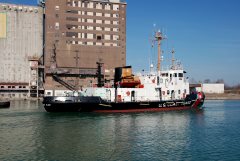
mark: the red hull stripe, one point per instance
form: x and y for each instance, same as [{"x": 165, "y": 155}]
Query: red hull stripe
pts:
[{"x": 144, "y": 110}]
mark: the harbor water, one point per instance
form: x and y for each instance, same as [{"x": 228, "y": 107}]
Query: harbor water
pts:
[{"x": 27, "y": 132}]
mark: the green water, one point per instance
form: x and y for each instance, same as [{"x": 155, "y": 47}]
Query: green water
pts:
[{"x": 27, "y": 132}]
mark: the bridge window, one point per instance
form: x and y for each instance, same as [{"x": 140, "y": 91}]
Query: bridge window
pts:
[
  {"x": 180, "y": 75},
  {"x": 164, "y": 74}
]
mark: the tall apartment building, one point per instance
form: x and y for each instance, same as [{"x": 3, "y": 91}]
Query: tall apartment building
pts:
[
  {"x": 21, "y": 50},
  {"x": 79, "y": 33}
]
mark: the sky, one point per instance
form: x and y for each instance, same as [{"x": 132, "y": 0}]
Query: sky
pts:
[{"x": 205, "y": 35}]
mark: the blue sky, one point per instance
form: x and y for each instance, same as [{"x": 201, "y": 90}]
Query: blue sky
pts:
[{"x": 204, "y": 33}]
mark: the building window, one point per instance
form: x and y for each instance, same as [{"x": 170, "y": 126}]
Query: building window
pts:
[
  {"x": 107, "y": 37},
  {"x": 99, "y": 6},
  {"x": 107, "y": 7},
  {"x": 89, "y": 36},
  {"x": 2, "y": 86},
  {"x": 90, "y": 27},
  {"x": 89, "y": 20},
  {"x": 56, "y": 7},
  {"x": 107, "y": 29},
  {"x": 98, "y": 28},
  {"x": 107, "y": 44},
  {"x": 99, "y": 21},
  {"x": 98, "y": 14},
  {"x": 107, "y": 22},
  {"x": 115, "y": 15},
  {"x": 107, "y": 15},
  {"x": 89, "y": 43},
  {"x": 115, "y": 37},
  {"x": 99, "y": 44},
  {"x": 115, "y": 7},
  {"x": 115, "y": 29},
  {"x": 115, "y": 22},
  {"x": 90, "y": 5},
  {"x": 90, "y": 13},
  {"x": 99, "y": 37},
  {"x": 57, "y": 25}
]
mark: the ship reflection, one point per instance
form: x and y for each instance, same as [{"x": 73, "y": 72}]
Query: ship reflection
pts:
[{"x": 114, "y": 136}]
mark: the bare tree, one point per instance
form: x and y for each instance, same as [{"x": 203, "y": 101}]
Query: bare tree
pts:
[
  {"x": 207, "y": 81},
  {"x": 220, "y": 81}
]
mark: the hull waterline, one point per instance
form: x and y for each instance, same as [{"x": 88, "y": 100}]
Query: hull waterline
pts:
[{"x": 96, "y": 104}]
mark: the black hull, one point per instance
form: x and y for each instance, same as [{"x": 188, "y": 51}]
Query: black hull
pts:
[
  {"x": 4, "y": 104},
  {"x": 96, "y": 104}
]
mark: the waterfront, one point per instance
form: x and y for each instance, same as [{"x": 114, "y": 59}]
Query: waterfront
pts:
[{"x": 27, "y": 132}]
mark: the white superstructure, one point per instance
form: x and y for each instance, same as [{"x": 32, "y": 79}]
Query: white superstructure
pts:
[{"x": 169, "y": 85}]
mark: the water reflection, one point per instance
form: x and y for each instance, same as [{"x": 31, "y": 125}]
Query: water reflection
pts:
[
  {"x": 26, "y": 105},
  {"x": 110, "y": 137}
]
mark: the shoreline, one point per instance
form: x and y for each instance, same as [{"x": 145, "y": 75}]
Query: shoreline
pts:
[{"x": 224, "y": 96}]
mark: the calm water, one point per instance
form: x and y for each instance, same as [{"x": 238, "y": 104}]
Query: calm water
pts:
[{"x": 27, "y": 132}]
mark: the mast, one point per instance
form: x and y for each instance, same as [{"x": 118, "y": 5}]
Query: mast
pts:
[{"x": 159, "y": 38}]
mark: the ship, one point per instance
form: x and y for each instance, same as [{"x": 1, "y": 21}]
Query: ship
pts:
[{"x": 157, "y": 90}]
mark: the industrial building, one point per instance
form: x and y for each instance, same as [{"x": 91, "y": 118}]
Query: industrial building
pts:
[
  {"x": 21, "y": 49},
  {"x": 213, "y": 88},
  {"x": 78, "y": 34},
  {"x": 209, "y": 88}
]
